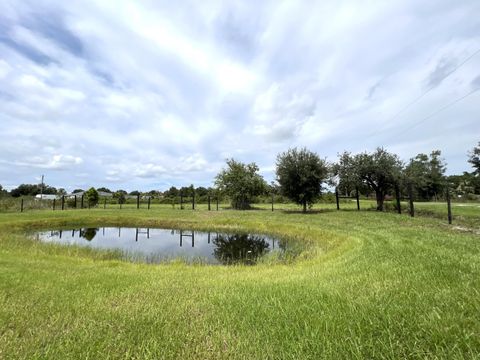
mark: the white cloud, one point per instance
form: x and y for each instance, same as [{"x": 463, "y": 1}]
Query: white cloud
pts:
[{"x": 147, "y": 94}]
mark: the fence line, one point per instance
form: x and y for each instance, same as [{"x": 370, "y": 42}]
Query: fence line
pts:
[{"x": 24, "y": 206}]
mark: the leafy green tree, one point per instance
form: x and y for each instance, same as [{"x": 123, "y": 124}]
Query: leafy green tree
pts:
[
  {"x": 91, "y": 195},
  {"x": 344, "y": 178},
  {"x": 31, "y": 190},
  {"x": 134, "y": 193},
  {"x": 186, "y": 191},
  {"x": 300, "y": 174},
  {"x": 25, "y": 189},
  {"x": 121, "y": 198},
  {"x": 474, "y": 159},
  {"x": 378, "y": 171},
  {"x": 201, "y": 191},
  {"x": 436, "y": 179},
  {"x": 427, "y": 174},
  {"x": 77, "y": 191},
  {"x": 464, "y": 184},
  {"x": 241, "y": 182},
  {"x": 104, "y": 189},
  {"x": 154, "y": 194},
  {"x": 171, "y": 193}
]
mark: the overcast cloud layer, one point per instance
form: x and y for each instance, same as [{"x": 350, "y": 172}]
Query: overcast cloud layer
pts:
[{"x": 144, "y": 95}]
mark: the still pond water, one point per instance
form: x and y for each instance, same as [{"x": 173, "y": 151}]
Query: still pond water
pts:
[{"x": 160, "y": 245}]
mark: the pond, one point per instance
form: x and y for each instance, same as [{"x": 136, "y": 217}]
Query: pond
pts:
[{"x": 160, "y": 245}]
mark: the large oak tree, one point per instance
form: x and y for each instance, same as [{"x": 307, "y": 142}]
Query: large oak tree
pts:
[
  {"x": 300, "y": 174},
  {"x": 474, "y": 159},
  {"x": 241, "y": 182},
  {"x": 379, "y": 171}
]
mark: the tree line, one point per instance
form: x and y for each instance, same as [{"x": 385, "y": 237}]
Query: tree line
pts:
[{"x": 302, "y": 176}]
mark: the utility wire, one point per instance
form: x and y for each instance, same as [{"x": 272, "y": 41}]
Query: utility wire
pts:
[
  {"x": 437, "y": 111},
  {"x": 406, "y": 107}
]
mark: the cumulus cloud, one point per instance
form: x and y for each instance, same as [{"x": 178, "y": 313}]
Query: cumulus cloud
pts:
[
  {"x": 152, "y": 94},
  {"x": 56, "y": 162}
]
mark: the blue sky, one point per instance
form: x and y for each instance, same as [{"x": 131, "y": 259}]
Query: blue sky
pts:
[{"x": 149, "y": 94}]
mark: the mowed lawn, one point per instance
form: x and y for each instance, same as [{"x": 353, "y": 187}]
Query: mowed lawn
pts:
[{"x": 368, "y": 285}]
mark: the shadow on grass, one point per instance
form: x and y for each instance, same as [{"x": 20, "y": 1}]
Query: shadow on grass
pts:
[{"x": 309, "y": 212}]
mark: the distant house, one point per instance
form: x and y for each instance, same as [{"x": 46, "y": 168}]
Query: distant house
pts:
[
  {"x": 104, "y": 194},
  {"x": 46, "y": 197}
]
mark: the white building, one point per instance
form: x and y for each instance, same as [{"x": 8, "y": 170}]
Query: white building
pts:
[{"x": 46, "y": 197}]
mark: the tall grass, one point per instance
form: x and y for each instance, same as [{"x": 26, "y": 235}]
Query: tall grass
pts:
[{"x": 370, "y": 286}]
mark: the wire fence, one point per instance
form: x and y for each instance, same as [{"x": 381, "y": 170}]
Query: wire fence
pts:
[{"x": 328, "y": 202}]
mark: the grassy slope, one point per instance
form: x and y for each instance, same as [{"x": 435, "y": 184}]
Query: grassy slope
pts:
[{"x": 373, "y": 286}]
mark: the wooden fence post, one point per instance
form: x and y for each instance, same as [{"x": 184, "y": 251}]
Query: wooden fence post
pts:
[
  {"x": 193, "y": 200},
  {"x": 410, "y": 198},
  {"x": 81, "y": 203},
  {"x": 21, "y": 206},
  {"x": 148, "y": 205},
  {"x": 397, "y": 195},
  {"x": 272, "y": 201},
  {"x": 449, "y": 207},
  {"x": 138, "y": 201},
  {"x": 181, "y": 202},
  {"x": 217, "y": 202},
  {"x": 75, "y": 201},
  {"x": 338, "y": 200},
  {"x": 357, "y": 196},
  {"x": 209, "y": 203},
  {"x": 63, "y": 202},
  {"x": 53, "y": 204}
]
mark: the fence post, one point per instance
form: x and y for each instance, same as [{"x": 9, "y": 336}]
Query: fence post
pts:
[
  {"x": 138, "y": 201},
  {"x": 181, "y": 202},
  {"x": 397, "y": 195},
  {"x": 81, "y": 203},
  {"x": 148, "y": 205},
  {"x": 193, "y": 200},
  {"x": 75, "y": 201},
  {"x": 357, "y": 196},
  {"x": 53, "y": 204},
  {"x": 21, "y": 206},
  {"x": 209, "y": 203},
  {"x": 272, "y": 201},
  {"x": 449, "y": 207},
  {"x": 104, "y": 203},
  {"x": 63, "y": 202},
  {"x": 410, "y": 198},
  {"x": 217, "y": 202},
  {"x": 336, "y": 198}
]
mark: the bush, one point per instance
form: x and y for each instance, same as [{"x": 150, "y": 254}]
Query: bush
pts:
[{"x": 91, "y": 195}]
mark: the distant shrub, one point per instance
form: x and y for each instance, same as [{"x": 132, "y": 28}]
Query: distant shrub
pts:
[{"x": 92, "y": 197}]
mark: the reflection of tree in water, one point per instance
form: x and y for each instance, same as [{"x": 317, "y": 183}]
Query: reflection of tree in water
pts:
[
  {"x": 239, "y": 248},
  {"x": 88, "y": 233}
]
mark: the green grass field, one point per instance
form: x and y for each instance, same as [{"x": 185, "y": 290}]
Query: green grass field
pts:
[{"x": 367, "y": 286}]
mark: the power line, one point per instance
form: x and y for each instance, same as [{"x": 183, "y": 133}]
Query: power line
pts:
[
  {"x": 437, "y": 111},
  {"x": 417, "y": 99}
]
